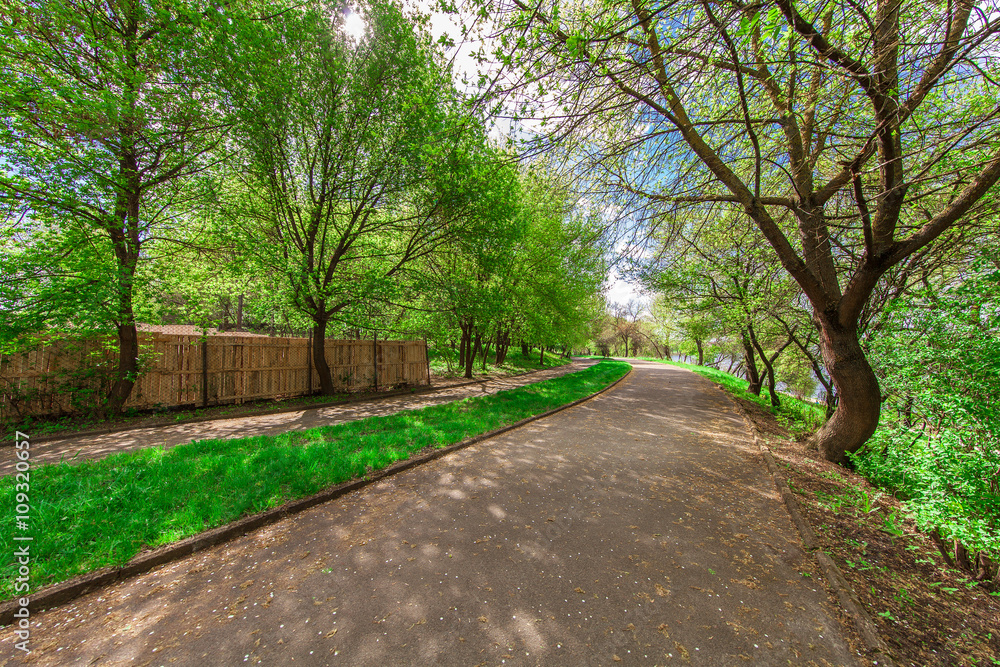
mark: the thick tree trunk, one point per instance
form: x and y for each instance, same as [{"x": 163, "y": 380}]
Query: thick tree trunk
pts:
[
  {"x": 319, "y": 358},
  {"x": 525, "y": 349},
  {"x": 860, "y": 401},
  {"x": 470, "y": 357},
  {"x": 701, "y": 351},
  {"x": 128, "y": 367},
  {"x": 541, "y": 357}
]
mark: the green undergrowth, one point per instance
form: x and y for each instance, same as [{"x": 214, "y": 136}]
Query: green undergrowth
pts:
[
  {"x": 799, "y": 417},
  {"x": 444, "y": 363},
  {"x": 102, "y": 513},
  {"x": 948, "y": 480}
]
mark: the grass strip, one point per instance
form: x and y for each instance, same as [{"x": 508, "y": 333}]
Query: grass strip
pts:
[
  {"x": 102, "y": 513},
  {"x": 799, "y": 417}
]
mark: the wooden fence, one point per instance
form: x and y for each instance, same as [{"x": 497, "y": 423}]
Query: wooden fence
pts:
[{"x": 182, "y": 370}]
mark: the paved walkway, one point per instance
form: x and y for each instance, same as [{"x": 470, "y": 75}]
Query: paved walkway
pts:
[
  {"x": 77, "y": 448},
  {"x": 638, "y": 528}
]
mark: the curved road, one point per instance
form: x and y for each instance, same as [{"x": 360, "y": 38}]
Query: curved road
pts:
[{"x": 637, "y": 528}]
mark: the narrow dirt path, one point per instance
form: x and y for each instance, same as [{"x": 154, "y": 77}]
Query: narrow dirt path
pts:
[
  {"x": 77, "y": 448},
  {"x": 637, "y": 528}
]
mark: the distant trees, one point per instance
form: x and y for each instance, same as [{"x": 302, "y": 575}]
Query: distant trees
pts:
[
  {"x": 528, "y": 274},
  {"x": 730, "y": 285}
]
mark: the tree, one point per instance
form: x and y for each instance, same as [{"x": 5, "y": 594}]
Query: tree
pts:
[
  {"x": 355, "y": 158},
  {"x": 528, "y": 270},
  {"x": 108, "y": 109},
  {"x": 625, "y": 321},
  {"x": 852, "y": 134},
  {"x": 729, "y": 283}
]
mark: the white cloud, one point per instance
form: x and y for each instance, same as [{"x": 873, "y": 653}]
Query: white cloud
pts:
[{"x": 621, "y": 291}]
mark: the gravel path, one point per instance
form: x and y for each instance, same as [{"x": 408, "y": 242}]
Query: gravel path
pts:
[
  {"x": 639, "y": 528},
  {"x": 76, "y": 448}
]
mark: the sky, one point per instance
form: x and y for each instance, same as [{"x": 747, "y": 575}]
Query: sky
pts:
[{"x": 622, "y": 292}]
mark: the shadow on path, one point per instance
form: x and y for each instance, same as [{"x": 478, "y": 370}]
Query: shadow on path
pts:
[{"x": 637, "y": 528}]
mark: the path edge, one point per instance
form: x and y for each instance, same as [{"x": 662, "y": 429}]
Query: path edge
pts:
[
  {"x": 836, "y": 581},
  {"x": 71, "y": 589},
  {"x": 364, "y": 398}
]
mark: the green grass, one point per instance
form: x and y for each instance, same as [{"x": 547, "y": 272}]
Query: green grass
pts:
[
  {"x": 514, "y": 363},
  {"x": 799, "y": 417},
  {"x": 101, "y": 513}
]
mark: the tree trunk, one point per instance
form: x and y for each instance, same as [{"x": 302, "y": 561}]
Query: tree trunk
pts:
[
  {"x": 525, "y": 349},
  {"x": 123, "y": 229},
  {"x": 749, "y": 358},
  {"x": 775, "y": 401},
  {"x": 831, "y": 394},
  {"x": 768, "y": 365},
  {"x": 732, "y": 362},
  {"x": 701, "y": 352},
  {"x": 319, "y": 358},
  {"x": 503, "y": 344},
  {"x": 541, "y": 357},
  {"x": 860, "y": 401},
  {"x": 128, "y": 366},
  {"x": 486, "y": 353},
  {"x": 465, "y": 343},
  {"x": 470, "y": 357}
]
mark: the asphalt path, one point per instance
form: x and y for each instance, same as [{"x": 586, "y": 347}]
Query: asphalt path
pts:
[{"x": 638, "y": 528}]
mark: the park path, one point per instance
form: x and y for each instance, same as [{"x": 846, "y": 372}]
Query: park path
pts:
[
  {"x": 78, "y": 448},
  {"x": 638, "y": 528}
]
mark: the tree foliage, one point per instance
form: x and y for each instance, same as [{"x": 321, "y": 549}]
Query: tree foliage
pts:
[
  {"x": 108, "y": 109},
  {"x": 853, "y": 135}
]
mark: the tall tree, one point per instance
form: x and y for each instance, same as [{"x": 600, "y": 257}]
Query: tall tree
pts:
[
  {"x": 853, "y": 134},
  {"x": 354, "y": 159},
  {"x": 107, "y": 109}
]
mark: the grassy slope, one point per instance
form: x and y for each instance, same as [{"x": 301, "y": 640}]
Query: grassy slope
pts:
[{"x": 100, "y": 513}]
